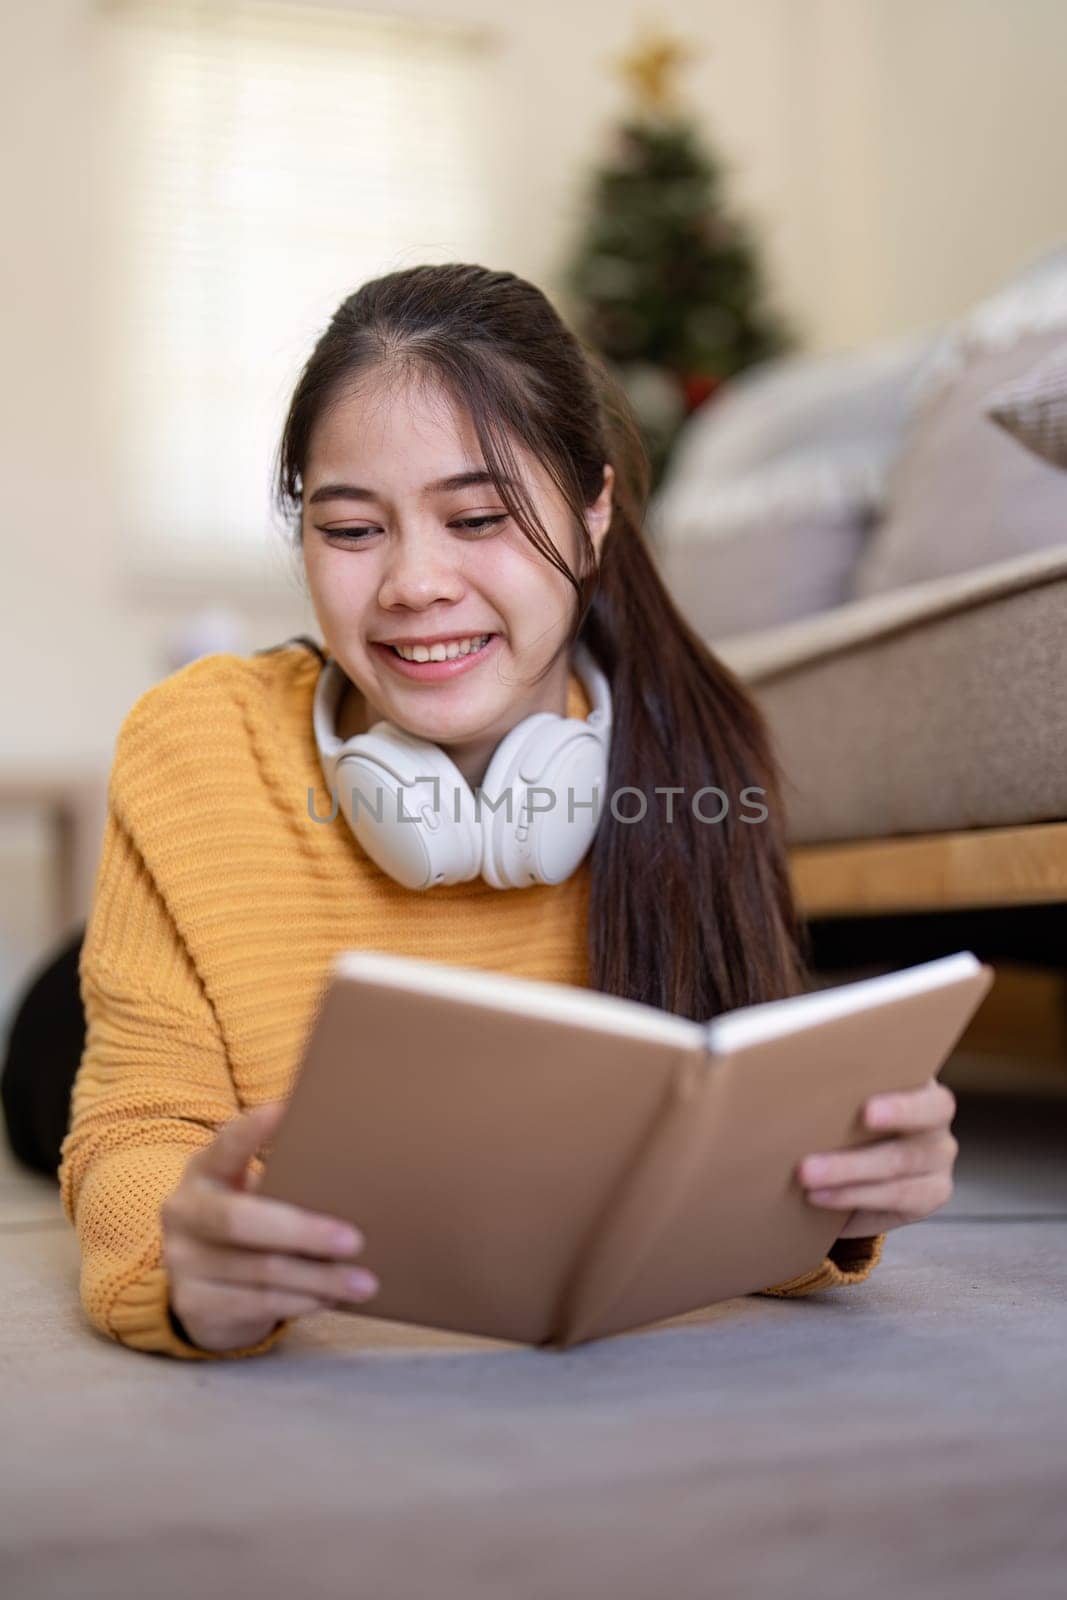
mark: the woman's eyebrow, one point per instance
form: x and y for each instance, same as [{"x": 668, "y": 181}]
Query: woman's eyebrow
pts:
[{"x": 458, "y": 480}]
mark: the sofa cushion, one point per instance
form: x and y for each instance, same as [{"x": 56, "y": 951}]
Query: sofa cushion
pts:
[
  {"x": 962, "y": 493},
  {"x": 926, "y": 709},
  {"x": 774, "y": 485},
  {"x": 1033, "y": 408},
  {"x": 773, "y": 571}
]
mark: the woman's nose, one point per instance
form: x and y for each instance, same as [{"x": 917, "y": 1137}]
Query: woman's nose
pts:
[{"x": 419, "y": 570}]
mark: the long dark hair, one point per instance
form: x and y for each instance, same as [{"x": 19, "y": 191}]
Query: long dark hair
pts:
[{"x": 690, "y": 915}]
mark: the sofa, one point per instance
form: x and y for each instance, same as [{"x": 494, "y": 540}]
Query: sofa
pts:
[{"x": 875, "y": 541}]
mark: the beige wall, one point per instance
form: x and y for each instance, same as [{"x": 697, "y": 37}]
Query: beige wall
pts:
[
  {"x": 925, "y": 140},
  {"x": 898, "y": 157}
]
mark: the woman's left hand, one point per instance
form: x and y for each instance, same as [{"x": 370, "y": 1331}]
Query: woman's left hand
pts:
[{"x": 896, "y": 1180}]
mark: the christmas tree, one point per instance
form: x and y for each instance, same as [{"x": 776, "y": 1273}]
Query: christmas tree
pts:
[{"x": 663, "y": 283}]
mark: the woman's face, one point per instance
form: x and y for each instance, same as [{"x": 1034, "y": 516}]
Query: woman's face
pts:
[{"x": 394, "y": 555}]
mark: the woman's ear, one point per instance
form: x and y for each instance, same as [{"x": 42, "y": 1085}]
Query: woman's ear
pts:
[{"x": 598, "y": 515}]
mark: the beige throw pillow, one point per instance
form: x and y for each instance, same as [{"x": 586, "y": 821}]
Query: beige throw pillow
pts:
[
  {"x": 962, "y": 493},
  {"x": 1033, "y": 408}
]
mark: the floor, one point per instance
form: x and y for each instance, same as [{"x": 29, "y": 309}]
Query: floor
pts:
[{"x": 904, "y": 1438}]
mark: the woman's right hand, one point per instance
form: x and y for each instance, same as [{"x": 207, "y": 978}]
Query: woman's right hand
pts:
[{"x": 238, "y": 1262}]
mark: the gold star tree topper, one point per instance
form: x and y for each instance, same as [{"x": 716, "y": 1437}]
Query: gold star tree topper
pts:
[{"x": 651, "y": 66}]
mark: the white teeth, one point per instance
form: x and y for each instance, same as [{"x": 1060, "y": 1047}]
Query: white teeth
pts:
[{"x": 442, "y": 652}]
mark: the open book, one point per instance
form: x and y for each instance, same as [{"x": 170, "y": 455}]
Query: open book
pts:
[{"x": 548, "y": 1164}]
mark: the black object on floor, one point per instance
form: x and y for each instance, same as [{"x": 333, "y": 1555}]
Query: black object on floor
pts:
[{"x": 44, "y": 1047}]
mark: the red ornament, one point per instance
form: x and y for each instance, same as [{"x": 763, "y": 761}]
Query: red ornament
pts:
[{"x": 698, "y": 387}]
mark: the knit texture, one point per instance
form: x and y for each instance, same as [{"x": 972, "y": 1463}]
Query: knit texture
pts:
[{"x": 218, "y": 907}]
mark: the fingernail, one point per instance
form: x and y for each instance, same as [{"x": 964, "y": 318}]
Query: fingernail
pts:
[
  {"x": 879, "y": 1112},
  {"x": 820, "y": 1196},
  {"x": 362, "y": 1282},
  {"x": 346, "y": 1239},
  {"x": 814, "y": 1167}
]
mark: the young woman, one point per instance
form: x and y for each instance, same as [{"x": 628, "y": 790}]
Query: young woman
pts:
[{"x": 461, "y": 473}]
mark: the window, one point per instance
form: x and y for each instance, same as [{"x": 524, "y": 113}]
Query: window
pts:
[{"x": 262, "y": 160}]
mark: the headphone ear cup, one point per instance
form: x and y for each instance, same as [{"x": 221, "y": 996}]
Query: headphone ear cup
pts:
[
  {"x": 505, "y": 831},
  {"x": 578, "y": 777},
  {"x": 566, "y": 757},
  {"x": 410, "y": 808}
]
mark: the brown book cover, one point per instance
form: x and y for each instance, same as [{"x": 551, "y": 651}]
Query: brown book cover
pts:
[{"x": 541, "y": 1163}]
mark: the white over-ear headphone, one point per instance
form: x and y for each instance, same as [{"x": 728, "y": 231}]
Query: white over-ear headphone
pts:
[{"x": 442, "y": 833}]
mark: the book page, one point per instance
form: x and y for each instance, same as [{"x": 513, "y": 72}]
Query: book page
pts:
[
  {"x": 753, "y": 1024},
  {"x": 582, "y": 1008}
]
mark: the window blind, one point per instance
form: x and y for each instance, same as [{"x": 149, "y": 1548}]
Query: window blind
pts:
[{"x": 264, "y": 158}]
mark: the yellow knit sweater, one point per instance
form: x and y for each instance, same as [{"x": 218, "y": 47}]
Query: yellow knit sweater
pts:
[{"x": 217, "y": 909}]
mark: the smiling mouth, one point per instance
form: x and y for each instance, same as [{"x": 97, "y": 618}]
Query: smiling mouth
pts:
[{"x": 452, "y": 650}]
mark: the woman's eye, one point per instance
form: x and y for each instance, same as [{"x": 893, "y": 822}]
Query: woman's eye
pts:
[{"x": 476, "y": 524}]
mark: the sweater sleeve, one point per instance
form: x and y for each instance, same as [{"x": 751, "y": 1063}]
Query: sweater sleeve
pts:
[
  {"x": 153, "y": 1086},
  {"x": 848, "y": 1261}
]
